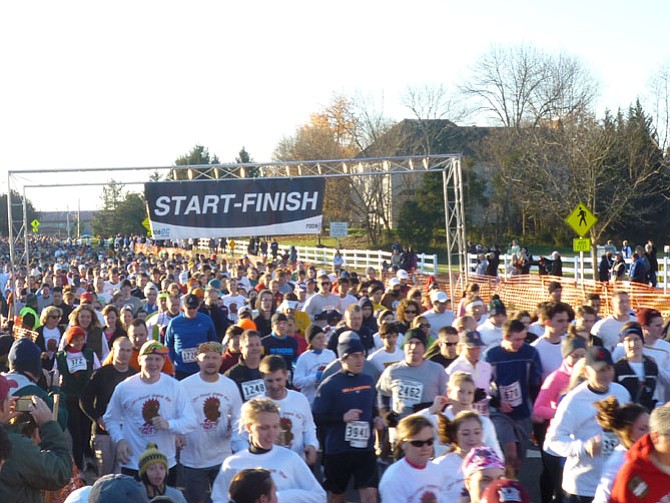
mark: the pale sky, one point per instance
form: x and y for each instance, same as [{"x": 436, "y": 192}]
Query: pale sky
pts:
[{"x": 90, "y": 84}]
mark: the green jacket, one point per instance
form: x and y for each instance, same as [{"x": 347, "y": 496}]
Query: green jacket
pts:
[
  {"x": 73, "y": 385},
  {"x": 33, "y": 468},
  {"x": 33, "y": 389}
]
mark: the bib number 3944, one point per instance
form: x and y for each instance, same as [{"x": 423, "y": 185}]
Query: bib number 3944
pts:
[{"x": 357, "y": 433}]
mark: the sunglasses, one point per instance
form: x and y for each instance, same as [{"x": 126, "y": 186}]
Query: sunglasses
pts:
[
  {"x": 450, "y": 344},
  {"x": 420, "y": 443},
  {"x": 424, "y": 325},
  {"x": 410, "y": 312}
]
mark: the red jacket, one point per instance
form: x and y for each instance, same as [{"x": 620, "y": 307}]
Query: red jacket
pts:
[
  {"x": 639, "y": 480},
  {"x": 229, "y": 360}
]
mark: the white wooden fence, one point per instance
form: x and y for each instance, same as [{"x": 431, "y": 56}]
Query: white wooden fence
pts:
[
  {"x": 353, "y": 259},
  {"x": 572, "y": 267}
]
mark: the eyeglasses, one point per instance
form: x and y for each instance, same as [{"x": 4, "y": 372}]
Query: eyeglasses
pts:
[
  {"x": 410, "y": 312},
  {"x": 424, "y": 325},
  {"x": 420, "y": 443}
]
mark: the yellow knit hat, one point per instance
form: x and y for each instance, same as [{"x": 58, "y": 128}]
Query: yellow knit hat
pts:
[{"x": 151, "y": 455}]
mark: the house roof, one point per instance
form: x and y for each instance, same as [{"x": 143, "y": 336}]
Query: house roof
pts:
[{"x": 433, "y": 136}]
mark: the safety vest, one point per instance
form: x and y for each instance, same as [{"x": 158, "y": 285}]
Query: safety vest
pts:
[{"x": 28, "y": 310}]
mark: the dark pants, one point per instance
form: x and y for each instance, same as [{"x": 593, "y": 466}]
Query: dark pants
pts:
[
  {"x": 79, "y": 426},
  {"x": 551, "y": 478},
  {"x": 573, "y": 498}
]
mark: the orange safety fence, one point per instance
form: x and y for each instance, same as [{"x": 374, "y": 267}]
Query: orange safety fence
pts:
[{"x": 524, "y": 292}]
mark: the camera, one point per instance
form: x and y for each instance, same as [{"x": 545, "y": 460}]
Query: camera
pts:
[{"x": 23, "y": 404}]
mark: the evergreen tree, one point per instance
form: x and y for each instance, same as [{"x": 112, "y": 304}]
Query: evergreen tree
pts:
[{"x": 198, "y": 155}]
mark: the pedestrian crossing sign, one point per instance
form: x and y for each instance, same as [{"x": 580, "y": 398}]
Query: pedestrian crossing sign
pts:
[{"x": 581, "y": 220}]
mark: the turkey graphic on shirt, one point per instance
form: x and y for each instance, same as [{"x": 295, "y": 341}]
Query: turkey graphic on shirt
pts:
[
  {"x": 428, "y": 497},
  {"x": 150, "y": 410},
  {"x": 212, "y": 414},
  {"x": 286, "y": 432}
]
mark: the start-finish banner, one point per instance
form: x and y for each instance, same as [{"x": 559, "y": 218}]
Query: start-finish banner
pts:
[{"x": 232, "y": 208}]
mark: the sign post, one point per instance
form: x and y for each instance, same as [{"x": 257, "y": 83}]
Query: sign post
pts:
[{"x": 581, "y": 220}]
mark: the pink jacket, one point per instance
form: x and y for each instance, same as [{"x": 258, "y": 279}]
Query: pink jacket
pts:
[{"x": 553, "y": 389}]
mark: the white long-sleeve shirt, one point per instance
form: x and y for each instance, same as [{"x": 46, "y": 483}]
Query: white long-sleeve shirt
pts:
[
  {"x": 297, "y": 423},
  {"x": 491, "y": 335},
  {"x": 608, "y": 330},
  {"x": 306, "y": 368},
  {"x": 573, "y": 425},
  {"x": 402, "y": 483},
  {"x": 609, "y": 473},
  {"x": 135, "y": 403},
  {"x": 217, "y": 408},
  {"x": 489, "y": 436},
  {"x": 550, "y": 355},
  {"x": 481, "y": 371},
  {"x": 452, "y": 475},
  {"x": 293, "y": 478}
]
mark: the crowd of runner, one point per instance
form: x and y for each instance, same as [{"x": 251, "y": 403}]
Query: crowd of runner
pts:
[{"x": 194, "y": 376}]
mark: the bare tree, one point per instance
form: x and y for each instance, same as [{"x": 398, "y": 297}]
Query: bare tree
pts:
[
  {"x": 372, "y": 124},
  {"x": 430, "y": 105},
  {"x": 659, "y": 104},
  {"x": 340, "y": 131},
  {"x": 613, "y": 166},
  {"x": 433, "y": 102},
  {"x": 521, "y": 86}
]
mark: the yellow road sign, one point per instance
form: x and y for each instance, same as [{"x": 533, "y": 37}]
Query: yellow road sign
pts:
[
  {"x": 35, "y": 224},
  {"x": 581, "y": 220},
  {"x": 147, "y": 226},
  {"x": 581, "y": 245}
]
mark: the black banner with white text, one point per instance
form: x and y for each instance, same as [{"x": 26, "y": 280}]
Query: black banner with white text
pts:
[{"x": 233, "y": 208}]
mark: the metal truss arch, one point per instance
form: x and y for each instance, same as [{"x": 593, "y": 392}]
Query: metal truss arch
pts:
[{"x": 20, "y": 181}]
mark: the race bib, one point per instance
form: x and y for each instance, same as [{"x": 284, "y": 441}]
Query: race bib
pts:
[
  {"x": 511, "y": 394},
  {"x": 609, "y": 443},
  {"x": 357, "y": 434},
  {"x": 251, "y": 389},
  {"x": 408, "y": 393},
  {"x": 76, "y": 364},
  {"x": 188, "y": 355}
]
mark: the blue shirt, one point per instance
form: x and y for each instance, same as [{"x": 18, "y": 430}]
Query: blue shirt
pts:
[
  {"x": 183, "y": 336},
  {"x": 338, "y": 394},
  {"x": 514, "y": 374}
]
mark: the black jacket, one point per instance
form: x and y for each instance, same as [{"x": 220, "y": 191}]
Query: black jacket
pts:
[{"x": 642, "y": 393}]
